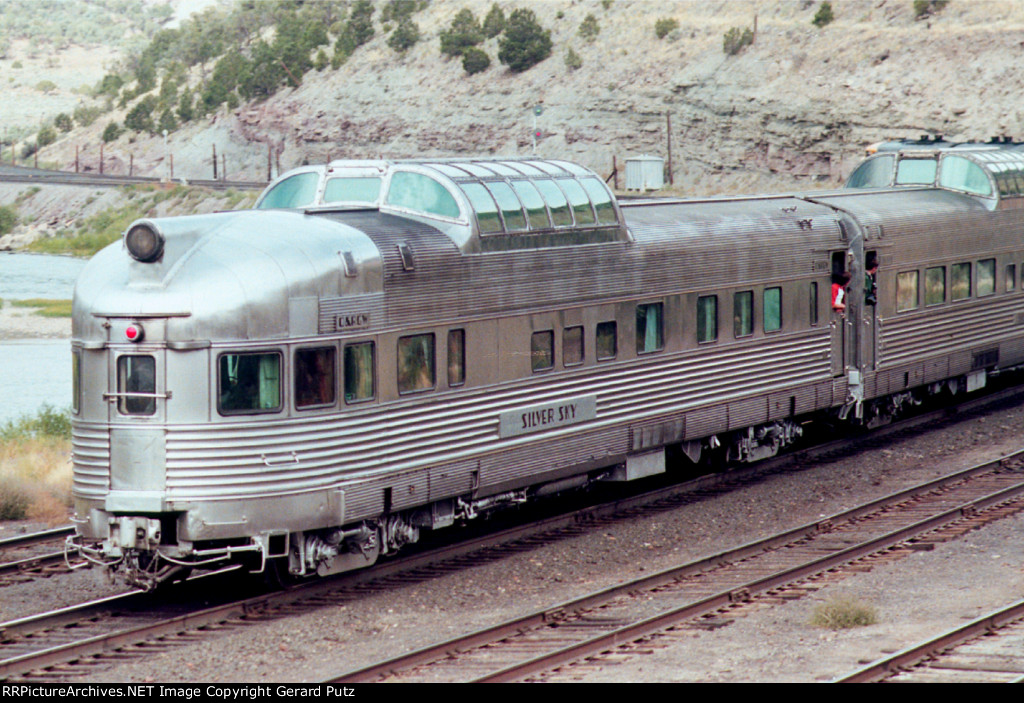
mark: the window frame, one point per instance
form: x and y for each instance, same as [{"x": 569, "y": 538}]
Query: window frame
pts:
[
  {"x": 747, "y": 330},
  {"x": 251, "y": 411},
  {"x": 660, "y": 329},
  {"x": 333, "y": 381},
  {"x": 536, "y": 351},
  {"x": 983, "y": 265},
  {"x": 701, "y": 325},
  {"x": 460, "y": 353},
  {"x": 566, "y": 345},
  {"x": 125, "y": 395},
  {"x": 345, "y": 374},
  {"x": 430, "y": 365},
  {"x": 614, "y": 337},
  {"x": 900, "y": 277},
  {"x": 764, "y": 310},
  {"x": 927, "y": 271},
  {"x": 963, "y": 266}
]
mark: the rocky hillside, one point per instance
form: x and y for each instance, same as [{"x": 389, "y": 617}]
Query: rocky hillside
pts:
[{"x": 792, "y": 110}]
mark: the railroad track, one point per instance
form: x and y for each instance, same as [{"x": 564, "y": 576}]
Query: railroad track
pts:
[
  {"x": 73, "y": 641},
  {"x": 38, "y": 176},
  {"x": 38, "y": 554},
  {"x": 560, "y": 642},
  {"x": 989, "y": 649}
]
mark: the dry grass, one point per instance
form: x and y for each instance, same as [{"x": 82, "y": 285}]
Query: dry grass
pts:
[
  {"x": 35, "y": 468},
  {"x": 840, "y": 613},
  {"x": 35, "y": 480}
]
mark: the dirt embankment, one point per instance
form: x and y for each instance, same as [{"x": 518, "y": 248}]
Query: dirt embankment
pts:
[{"x": 793, "y": 110}]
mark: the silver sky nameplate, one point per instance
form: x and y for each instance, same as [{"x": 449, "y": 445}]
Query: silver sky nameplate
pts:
[{"x": 539, "y": 418}]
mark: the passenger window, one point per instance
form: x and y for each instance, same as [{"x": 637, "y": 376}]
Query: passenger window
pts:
[
  {"x": 511, "y": 208},
  {"x": 136, "y": 385},
  {"x": 986, "y": 277},
  {"x": 314, "y": 378},
  {"x": 906, "y": 291},
  {"x": 421, "y": 193},
  {"x": 601, "y": 199},
  {"x": 416, "y": 363},
  {"x": 813, "y": 303},
  {"x": 249, "y": 383},
  {"x": 352, "y": 190},
  {"x": 557, "y": 204},
  {"x": 911, "y": 171},
  {"x": 484, "y": 206},
  {"x": 935, "y": 285},
  {"x": 456, "y": 357},
  {"x": 873, "y": 173},
  {"x": 743, "y": 314},
  {"x": 572, "y": 346},
  {"x": 535, "y": 209},
  {"x": 297, "y": 191},
  {"x": 542, "y": 350},
  {"x": 650, "y": 336},
  {"x": 960, "y": 281},
  {"x": 579, "y": 201},
  {"x": 359, "y": 365},
  {"x": 76, "y": 381},
  {"x": 772, "y": 309},
  {"x": 607, "y": 343},
  {"x": 1011, "y": 278},
  {"x": 707, "y": 318},
  {"x": 959, "y": 173}
]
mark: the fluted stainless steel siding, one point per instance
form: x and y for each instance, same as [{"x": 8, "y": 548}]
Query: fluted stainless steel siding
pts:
[
  {"x": 207, "y": 462},
  {"x": 90, "y": 447}
]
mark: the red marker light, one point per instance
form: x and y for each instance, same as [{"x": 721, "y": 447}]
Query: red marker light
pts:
[{"x": 134, "y": 332}]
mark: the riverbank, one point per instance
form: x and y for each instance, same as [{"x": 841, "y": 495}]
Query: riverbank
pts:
[{"x": 25, "y": 323}]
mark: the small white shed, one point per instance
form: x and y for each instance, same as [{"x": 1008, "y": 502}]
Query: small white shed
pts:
[{"x": 645, "y": 173}]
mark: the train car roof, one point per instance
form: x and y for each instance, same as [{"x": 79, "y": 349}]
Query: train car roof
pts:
[
  {"x": 483, "y": 205},
  {"x": 992, "y": 175}
]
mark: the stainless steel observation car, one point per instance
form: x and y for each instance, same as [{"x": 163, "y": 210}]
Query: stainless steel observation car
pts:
[{"x": 317, "y": 384}]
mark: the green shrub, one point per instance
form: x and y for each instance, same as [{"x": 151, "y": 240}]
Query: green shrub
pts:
[
  {"x": 48, "y": 422},
  {"x": 475, "y": 60},
  {"x": 463, "y": 33},
  {"x": 46, "y": 136},
  {"x": 8, "y": 218},
  {"x": 405, "y": 36},
  {"x": 140, "y": 117},
  {"x": 823, "y": 16},
  {"x": 85, "y": 115},
  {"x": 589, "y": 28},
  {"x": 572, "y": 60},
  {"x": 524, "y": 43},
  {"x": 665, "y": 25},
  {"x": 63, "y": 122},
  {"x": 925, "y": 8},
  {"x": 494, "y": 23},
  {"x": 735, "y": 39},
  {"x": 111, "y": 132}
]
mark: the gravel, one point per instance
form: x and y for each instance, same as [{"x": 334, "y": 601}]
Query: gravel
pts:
[{"x": 914, "y": 597}]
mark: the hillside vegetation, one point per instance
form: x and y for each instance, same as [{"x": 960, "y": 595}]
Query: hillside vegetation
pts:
[{"x": 760, "y": 94}]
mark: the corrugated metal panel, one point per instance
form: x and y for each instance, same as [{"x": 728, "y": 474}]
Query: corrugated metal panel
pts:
[
  {"x": 673, "y": 252},
  {"x": 284, "y": 456},
  {"x": 90, "y": 448}
]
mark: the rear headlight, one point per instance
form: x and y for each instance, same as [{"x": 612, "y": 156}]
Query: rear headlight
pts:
[{"x": 144, "y": 242}]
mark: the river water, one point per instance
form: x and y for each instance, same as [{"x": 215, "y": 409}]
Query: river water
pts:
[{"x": 34, "y": 372}]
